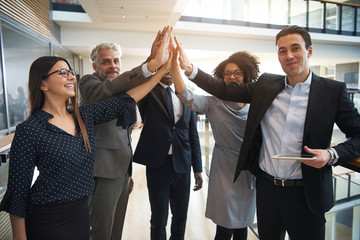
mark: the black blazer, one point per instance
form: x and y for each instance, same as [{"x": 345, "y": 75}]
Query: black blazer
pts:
[
  {"x": 159, "y": 131},
  {"x": 328, "y": 104}
]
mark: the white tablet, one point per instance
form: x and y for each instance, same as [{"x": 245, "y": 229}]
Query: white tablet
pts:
[{"x": 294, "y": 157}]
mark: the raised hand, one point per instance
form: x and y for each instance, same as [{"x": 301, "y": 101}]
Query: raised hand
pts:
[
  {"x": 184, "y": 62},
  {"x": 160, "y": 50},
  {"x": 175, "y": 72},
  {"x": 157, "y": 42}
]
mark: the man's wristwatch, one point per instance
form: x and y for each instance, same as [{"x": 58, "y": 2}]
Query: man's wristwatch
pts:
[{"x": 332, "y": 156}]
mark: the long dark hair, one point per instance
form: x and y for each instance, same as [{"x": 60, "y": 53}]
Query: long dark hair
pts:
[
  {"x": 39, "y": 68},
  {"x": 249, "y": 65}
]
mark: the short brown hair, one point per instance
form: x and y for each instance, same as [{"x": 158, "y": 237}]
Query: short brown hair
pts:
[{"x": 294, "y": 29}]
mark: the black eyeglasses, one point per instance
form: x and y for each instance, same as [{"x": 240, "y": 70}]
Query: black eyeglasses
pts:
[
  {"x": 63, "y": 72},
  {"x": 236, "y": 74}
]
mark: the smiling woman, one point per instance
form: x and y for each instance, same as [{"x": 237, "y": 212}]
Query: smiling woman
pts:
[{"x": 60, "y": 143}]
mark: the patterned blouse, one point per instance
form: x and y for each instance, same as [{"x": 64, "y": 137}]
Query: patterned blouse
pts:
[{"x": 64, "y": 164}]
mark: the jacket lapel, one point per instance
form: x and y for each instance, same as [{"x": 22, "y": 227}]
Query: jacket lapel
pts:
[{"x": 316, "y": 90}]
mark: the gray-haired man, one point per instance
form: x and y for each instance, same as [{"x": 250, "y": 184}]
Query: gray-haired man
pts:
[{"x": 113, "y": 158}]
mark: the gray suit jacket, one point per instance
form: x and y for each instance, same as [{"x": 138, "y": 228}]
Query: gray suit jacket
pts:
[{"x": 113, "y": 156}]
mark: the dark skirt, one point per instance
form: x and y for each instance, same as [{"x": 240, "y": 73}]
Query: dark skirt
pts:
[{"x": 68, "y": 221}]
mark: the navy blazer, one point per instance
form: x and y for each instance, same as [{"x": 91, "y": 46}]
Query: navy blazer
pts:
[
  {"x": 328, "y": 104},
  {"x": 159, "y": 131}
]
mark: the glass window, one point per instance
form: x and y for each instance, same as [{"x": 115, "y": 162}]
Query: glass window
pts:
[
  {"x": 358, "y": 21},
  {"x": 316, "y": 12},
  {"x": 20, "y": 50},
  {"x": 347, "y": 20},
  {"x": 298, "y": 13},
  {"x": 3, "y": 124},
  {"x": 255, "y": 13},
  {"x": 331, "y": 17},
  {"x": 279, "y": 12}
]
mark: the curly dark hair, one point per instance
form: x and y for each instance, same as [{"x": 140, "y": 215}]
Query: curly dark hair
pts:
[{"x": 247, "y": 63}]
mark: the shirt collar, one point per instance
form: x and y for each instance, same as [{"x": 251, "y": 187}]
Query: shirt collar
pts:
[
  {"x": 166, "y": 86},
  {"x": 43, "y": 116},
  {"x": 304, "y": 86}
]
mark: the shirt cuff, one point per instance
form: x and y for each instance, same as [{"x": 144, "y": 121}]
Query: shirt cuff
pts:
[
  {"x": 193, "y": 74},
  {"x": 336, "y": 156},
  {"x": 146, "y": 71}
]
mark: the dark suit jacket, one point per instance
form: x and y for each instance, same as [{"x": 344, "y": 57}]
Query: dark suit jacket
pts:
[
  {"x": 159, "y": 131},
  {"x": 328, "y": 104},
  {"x": 112, "y": 143}
]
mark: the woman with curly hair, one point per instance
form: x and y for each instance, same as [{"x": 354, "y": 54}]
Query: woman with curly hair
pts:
[{"x": 231, "y": 206}]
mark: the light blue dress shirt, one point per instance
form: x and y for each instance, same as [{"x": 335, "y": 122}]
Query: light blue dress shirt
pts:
[{"x": 282, "y": 130}]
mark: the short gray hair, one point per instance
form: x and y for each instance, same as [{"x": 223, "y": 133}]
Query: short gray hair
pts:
[{"x": 105, "y": 45}]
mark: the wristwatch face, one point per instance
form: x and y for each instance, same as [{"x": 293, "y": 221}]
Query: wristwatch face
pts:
[{"x": 332, "y": 156}]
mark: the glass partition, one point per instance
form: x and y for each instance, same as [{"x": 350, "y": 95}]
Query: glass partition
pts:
[
  {"x": 20, "y": 50},
  {"x": 331, "y": 17},
  {"x": 256, "y": 14},
  {"x": 316, "y": 14},
  {"x": 348, "y": 18},
  {"x": 358, "y": 21},
  {"x": 279, "y": 12},
  {"x": 3, "y": 124}
]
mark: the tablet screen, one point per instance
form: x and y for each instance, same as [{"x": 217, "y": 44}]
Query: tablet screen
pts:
[{"x": 294, "y": 157}]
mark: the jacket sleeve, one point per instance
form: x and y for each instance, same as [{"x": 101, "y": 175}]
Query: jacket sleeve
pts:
[
  {"x": 196, "y": 103},
  {"x": 348, "y": 120},
  {"x": 236, "y": 92},
  {"x": 195, "y": 145},
  {"x": 95, "y": 89}
]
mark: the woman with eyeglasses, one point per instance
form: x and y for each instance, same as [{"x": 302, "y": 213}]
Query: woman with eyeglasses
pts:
[
  {"x": 231, "y": 206},
  {"x": 58, "y": 139}
]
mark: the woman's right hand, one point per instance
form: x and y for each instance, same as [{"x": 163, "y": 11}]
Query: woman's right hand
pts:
[{"x": 185, "y": 64}]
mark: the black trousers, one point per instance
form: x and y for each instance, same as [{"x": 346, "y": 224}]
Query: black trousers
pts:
[
  {"x": 166, "y": 187},
  {"x": 68, "y": 221},
  {"x": 281, "y": 209}
]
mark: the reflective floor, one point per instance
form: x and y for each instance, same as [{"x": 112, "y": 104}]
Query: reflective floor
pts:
[{"x": 137, "y": 224}]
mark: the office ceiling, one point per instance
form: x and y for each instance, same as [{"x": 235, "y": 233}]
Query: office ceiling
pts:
[
  {"x": 134, "y": 23},
  {"x": 131, "y": 15}
]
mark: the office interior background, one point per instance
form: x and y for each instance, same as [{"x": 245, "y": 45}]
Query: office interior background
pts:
[{"x": 210, "y": 31}]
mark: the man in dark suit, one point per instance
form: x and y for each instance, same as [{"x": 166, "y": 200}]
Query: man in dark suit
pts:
[
  {"x": 168, "y": 146},
  {"x": 113, "y": 158},
  {"x": 292, "y": 114}
]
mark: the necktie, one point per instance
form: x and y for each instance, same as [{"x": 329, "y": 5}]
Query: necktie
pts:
[{"x": 170, "y": 103}]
